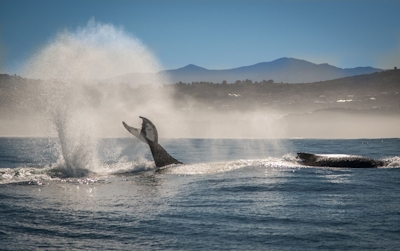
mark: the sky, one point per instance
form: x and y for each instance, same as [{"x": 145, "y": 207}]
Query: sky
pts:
[{"x": 217, "y": 34}]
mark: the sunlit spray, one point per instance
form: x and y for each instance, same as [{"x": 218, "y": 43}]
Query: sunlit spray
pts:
[
  {"x": 82, "y": 99},
  {"x": 71, "y": 67}
]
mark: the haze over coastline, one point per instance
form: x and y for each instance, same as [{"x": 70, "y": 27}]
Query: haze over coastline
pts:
[
  {"x": 282, "y": 70},
  {"x": 73, "y": 45}
]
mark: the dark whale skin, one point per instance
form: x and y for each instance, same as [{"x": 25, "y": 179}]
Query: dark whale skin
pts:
[
  {"x": 149, "y": 135},
  {"x": 344, "y": 161}
]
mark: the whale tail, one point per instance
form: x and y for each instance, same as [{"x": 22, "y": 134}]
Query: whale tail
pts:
[{"x": 148, "y": 134}]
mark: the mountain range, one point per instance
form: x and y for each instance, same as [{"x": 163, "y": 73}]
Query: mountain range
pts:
[{"x": 286, "y": 70}]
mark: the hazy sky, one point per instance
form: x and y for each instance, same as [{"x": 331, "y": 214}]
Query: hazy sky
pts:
[{"x": 217, "y": 34}]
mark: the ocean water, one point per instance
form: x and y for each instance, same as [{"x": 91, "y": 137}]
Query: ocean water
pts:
[{"x": 232, "y": 194}]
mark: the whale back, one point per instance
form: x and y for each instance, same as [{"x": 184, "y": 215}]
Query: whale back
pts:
[{"x": 338, "y": 160}]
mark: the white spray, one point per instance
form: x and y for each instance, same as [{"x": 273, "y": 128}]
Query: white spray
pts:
[{"x": 71, "y": 66}]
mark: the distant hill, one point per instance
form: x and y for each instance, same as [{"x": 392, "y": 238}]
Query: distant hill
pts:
[
  {"x": 363, "y": 92},
  {"x": 286, "y": 70}
]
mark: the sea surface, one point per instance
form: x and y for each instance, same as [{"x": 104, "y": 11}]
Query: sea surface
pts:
[{"x": 231, "y": 194}]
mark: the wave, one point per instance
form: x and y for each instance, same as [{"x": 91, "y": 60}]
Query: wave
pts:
[
  {"x": 220, "y": 167},
  {"x": 40, "y": 175},
  {"x": 60, "y": 172},
  {"x": 393, "y": 162}
]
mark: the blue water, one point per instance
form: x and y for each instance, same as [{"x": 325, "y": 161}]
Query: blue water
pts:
[{"x": 230, "y": 195}]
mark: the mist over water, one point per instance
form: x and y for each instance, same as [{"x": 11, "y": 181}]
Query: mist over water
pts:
[
  {"x": 74, "y": 110},
  {"x": 95, "y": 51},
  {"x": 75, "y": 63},
  {"x": 78, "y": 101}
]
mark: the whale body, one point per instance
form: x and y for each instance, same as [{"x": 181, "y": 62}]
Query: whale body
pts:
[
  {"x": 338, "y": 160},
  {"x": 148, "y": 134}
]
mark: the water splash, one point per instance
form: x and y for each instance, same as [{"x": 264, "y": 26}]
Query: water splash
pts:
[
  {"x": 71, "y": 67},
  {"x": 392, "y": 162},
  {"x": 221, "y": 167},
  {"x": 95, "y": 51}
]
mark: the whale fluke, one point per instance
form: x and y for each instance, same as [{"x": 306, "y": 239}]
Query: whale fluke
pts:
[
  {"x": 148, "y": 134},
  {"x": 338, "y": 160}
]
